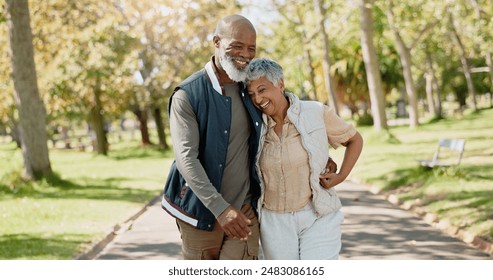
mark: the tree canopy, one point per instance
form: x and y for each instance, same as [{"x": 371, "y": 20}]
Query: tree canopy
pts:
[{"x": 96, "y": 60}]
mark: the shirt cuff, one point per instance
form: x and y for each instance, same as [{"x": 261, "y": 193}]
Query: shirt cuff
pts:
[{"x": 217, "y": 206}]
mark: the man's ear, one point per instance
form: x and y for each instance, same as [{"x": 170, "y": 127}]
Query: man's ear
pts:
[{"x": 216, "y": 41}]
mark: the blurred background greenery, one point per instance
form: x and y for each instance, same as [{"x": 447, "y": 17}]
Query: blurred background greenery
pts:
[{"x": 406, "y": 73}]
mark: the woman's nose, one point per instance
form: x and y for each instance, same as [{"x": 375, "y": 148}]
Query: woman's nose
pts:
[{"x": 257, "y": 99}]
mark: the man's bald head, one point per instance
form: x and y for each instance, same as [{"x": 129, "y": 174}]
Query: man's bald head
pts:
[
  {"x": 233, "y": 23},
  {"x": 235, "y": 45}
]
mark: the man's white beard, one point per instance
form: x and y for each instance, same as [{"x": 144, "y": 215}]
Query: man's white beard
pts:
[{"x": 235, "y": 74}]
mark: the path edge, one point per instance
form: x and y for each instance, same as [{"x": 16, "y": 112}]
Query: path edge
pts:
[{"x": 96, "y": 247}]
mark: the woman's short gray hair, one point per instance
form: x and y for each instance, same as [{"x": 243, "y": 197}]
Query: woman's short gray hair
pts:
[{"x": 264, "y": 67}]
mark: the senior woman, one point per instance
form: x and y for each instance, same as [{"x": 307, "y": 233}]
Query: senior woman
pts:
[{"x": 299, "y": 209}]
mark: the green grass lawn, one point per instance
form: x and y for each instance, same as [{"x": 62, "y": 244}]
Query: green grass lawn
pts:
[
  {"x": 462, "y": 197},
  {"x": 60, "y": 217}
]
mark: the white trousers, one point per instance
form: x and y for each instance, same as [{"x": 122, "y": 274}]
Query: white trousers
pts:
[{"x": 300, "y": 235}]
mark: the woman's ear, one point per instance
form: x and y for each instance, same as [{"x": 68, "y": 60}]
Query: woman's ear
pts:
[{"x": 281, "y": 85}]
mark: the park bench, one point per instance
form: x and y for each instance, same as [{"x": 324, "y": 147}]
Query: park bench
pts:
[{"x": 448, "y": 153}]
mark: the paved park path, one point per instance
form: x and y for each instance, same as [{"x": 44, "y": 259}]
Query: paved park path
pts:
[{"x": 373, "y": 229}]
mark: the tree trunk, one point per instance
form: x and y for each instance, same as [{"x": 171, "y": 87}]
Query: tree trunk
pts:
[
  {"x": 438, "y": 97},
  {"x": 156, "y": 113},
  {"x": 32, "y": 114},
  {"x": 429, "y": 86},
  {"x": 406, "y": 62},
  {"x": 465, "y": 64},
  {"x": 311, "y": 71},
  {"x": 141, "y": 113},
  {"x": 329, "y": 84},
  {"x": 430, "y": 103},
  {"x": 97, "y": 126},
  {"x": 438, "y": 92},
  {"x": 371, "y": 65},
  {"x": 490, "y": 67},
  {"x": 483, "y": 18},
  {"x": 405, "y": 57},
  {"x": 144, "y": 129},
  {"x": 100, "y": 143}
]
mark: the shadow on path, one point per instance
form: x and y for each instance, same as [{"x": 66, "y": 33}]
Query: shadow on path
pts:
[{"x": 375, "y": 229}]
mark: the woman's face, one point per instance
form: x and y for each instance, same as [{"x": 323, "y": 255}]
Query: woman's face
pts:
[{"x": 267, "y": 97}]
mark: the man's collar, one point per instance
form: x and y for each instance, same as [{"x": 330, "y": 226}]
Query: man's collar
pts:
[{"x": 213, "y": 77}]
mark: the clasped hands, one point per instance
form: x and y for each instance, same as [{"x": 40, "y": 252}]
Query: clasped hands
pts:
[{"x": 234, "y": 223}]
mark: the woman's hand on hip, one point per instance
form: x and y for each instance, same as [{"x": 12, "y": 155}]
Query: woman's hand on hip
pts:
[{"x": 330, "y": 180}]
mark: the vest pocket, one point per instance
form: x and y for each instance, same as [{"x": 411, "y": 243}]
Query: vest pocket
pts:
[{"x": 326, "y": 201}]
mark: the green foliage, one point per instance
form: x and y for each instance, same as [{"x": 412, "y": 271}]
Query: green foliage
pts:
[
  {"x": 7, "y": 102},
  {"x": 60, "y": 216},
  {"x": 165, "y": 41},
  {"x": 12, "y": 182},
  {"x": 364, "y": 120},
  {"x": 3, "y": 13},
  {"x": 390, "y": 68}
]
